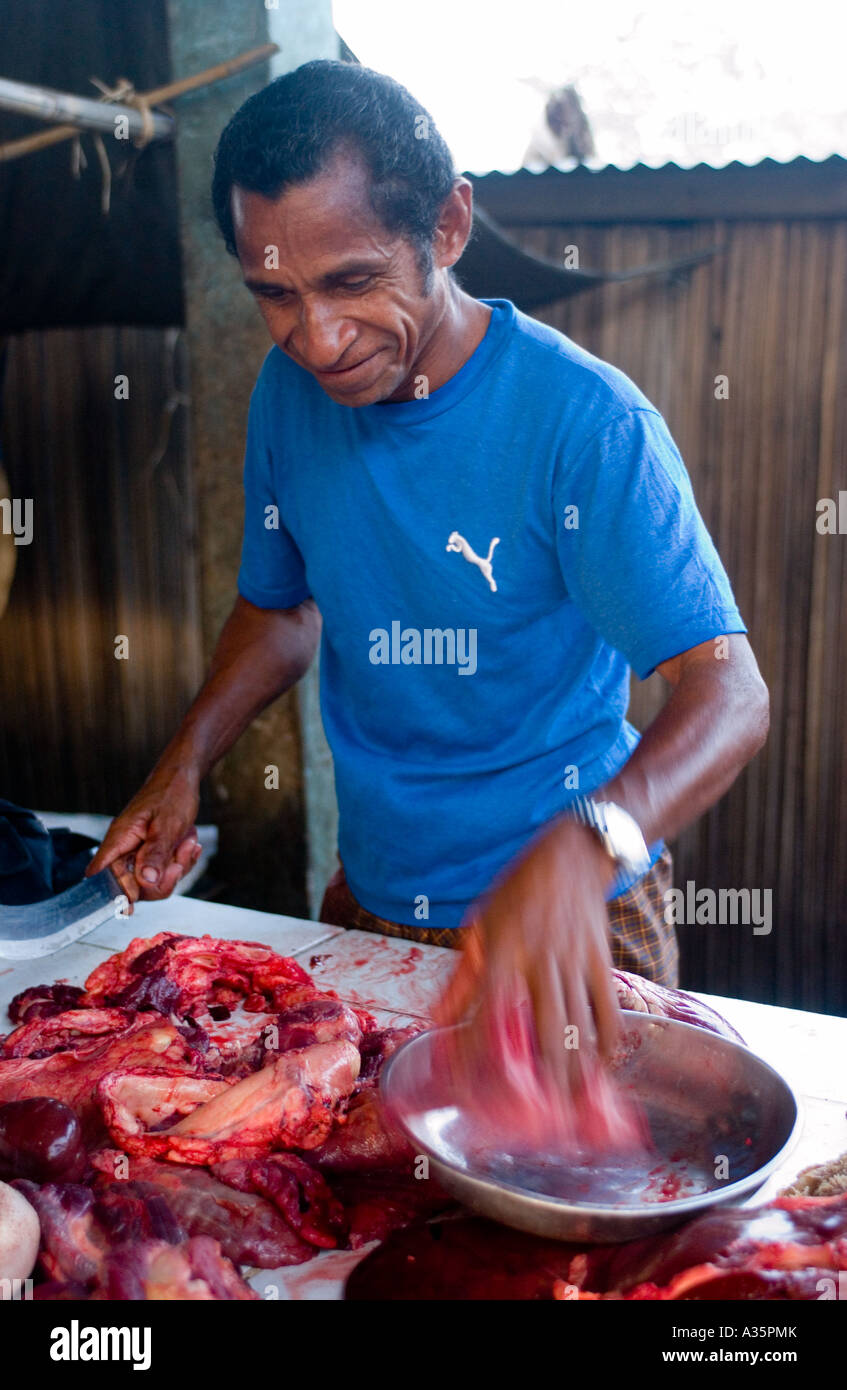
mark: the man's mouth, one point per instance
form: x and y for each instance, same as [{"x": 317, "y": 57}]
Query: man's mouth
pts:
[{"x": 340, "y": 374}]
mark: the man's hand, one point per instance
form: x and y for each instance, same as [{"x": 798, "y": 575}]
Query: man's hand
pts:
[
  {"x": 542, "y": 928},
  {"x": 153, "y": 842},
  {"x": 260, "y": 654},
  {"x": 542, "y": 932}
]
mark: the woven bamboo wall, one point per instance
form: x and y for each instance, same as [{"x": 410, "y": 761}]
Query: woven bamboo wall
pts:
[{"x": 770, "y": 313}]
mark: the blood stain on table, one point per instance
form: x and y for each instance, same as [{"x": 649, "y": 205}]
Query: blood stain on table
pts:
[{"x": 408, "y": 965}]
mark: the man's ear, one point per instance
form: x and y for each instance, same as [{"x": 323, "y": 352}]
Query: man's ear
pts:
[{"x": 455, "y": 223}]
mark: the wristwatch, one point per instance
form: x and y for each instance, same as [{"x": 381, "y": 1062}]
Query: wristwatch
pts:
[{"x": 619, "y": 832}]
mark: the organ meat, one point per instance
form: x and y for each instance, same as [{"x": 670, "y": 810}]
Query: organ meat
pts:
[
  {"x": 73, "y": 1076},
  {"x": 364, "y": 1139},
  {"x": 299, "y": 1193},
  {"x": 119, "y": 1246},
  {"x": 41, "y": 1001},
  {"x": 773, "y": 1251},
  {"x": 243, "y": 1102},
  {"x": 643, "y": 997},
  {"x": 249, "y": 1228},
  {"x": 289, "y": 1104},
  {"x": 779, "y": 1251},
  {"x": 195, "y": 1271}
]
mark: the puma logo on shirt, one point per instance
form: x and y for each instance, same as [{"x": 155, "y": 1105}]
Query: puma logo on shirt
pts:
[{"x": 458, "y": 543}]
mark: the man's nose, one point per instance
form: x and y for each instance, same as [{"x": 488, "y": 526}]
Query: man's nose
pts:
[{"x": 324, "y": 335}]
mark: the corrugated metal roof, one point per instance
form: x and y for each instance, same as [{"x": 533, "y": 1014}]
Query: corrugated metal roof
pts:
[
  {"x": 770, "y": 189},
  {"x": 595, "y": 167}
]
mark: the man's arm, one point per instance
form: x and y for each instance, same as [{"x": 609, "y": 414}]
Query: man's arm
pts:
[
  {"x": 544, "y": 925},
  {"x": 260, "y": 654},
  {"x": 715, "y": 720}
]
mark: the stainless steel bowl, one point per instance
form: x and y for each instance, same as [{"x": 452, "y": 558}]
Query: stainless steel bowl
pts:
[{"x": 720, "y": 1119}]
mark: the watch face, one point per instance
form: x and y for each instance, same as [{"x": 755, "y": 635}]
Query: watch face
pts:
[{"x": 624, "y": 834}]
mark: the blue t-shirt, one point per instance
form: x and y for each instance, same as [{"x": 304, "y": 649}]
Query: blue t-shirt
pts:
[{"x": 489, "y": 561}]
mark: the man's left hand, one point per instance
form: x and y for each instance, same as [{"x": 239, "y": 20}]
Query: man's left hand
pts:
[{"x": 542, "y": 931}]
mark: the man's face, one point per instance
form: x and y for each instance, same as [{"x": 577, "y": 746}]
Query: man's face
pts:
[{"x": 346, "y": 299}]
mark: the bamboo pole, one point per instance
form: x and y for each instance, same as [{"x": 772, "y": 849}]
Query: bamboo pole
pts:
[
  {"x": 14, "y": 149},
  {"x": 82, "y": 113}
]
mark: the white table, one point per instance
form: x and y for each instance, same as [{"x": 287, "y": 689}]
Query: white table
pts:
[{"x": 399, "y": 981}]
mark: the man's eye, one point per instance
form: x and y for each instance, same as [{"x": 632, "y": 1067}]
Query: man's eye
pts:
[{"x": 356, "y": 284}]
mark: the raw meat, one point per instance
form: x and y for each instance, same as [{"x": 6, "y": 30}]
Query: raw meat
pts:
[
  {"x": 319, "y": 1019},
  {"x": 249, "y": 1228},
  {"x": 121, "y": 1246},
  {"x": 138, "y": 1104},
  {"x": 193, "y": 1272},
  {"x": 364, "y": 1139},
  {"x": 377, "y": 1046},
  {"x": 40, "y": 1138},
  {"x": 204, "y": 1054},
  {"x": 758, "y": 1252},
  {"x": 178, "y": 974},
  {"x": 643, "y": 997},
  {"x": 289, "y": 1104},
  {"x": 74, "y": 1244},
  {"x": 64, "y": 1032},
  {"x": 299, "y": 1192},
  {"x": 378, "y": 1203},
  {"x": 779, "y": 1251},
  {"x": 73, "y": 1076},
  {"x": 41, "y": 1001}
]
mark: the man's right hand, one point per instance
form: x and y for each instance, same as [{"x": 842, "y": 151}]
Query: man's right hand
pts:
[{"x": 153, "y": 842}]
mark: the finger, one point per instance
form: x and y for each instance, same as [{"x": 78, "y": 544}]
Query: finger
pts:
[
  {"x": 581, "y": 1042},
  {"x": 152, "y": 861},
  {"x": 551, "y": 1017},
  {"x": 604, "y": 1000},
  {"x": 119, "y": 841},
  {"x": 122, "y": 868},
  {"x": 462, "y": 986},
  {"x": 168, "y": 881},
  {"x": 188, "y": 851}
]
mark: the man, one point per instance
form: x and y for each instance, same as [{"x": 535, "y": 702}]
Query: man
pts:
[{"x": 492, "y": 526}]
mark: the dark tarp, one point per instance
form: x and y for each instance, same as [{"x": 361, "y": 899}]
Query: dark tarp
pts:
[
  {"x": 494, "y": 267},
  {"x": 62, "y": 261}
]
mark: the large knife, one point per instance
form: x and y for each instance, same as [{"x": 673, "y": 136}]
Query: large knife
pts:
[{"x": 38, "y": 929}]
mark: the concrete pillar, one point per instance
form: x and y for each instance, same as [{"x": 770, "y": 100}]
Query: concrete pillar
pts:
[{"x": 263, "y": 832}]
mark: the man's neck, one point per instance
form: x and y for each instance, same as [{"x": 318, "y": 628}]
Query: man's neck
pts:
[{"x": 456, "y": 337}]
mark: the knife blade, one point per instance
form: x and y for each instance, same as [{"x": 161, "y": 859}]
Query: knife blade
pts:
[{"x": 32, "y": 930}]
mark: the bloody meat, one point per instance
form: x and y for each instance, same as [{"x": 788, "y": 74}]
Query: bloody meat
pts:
[
  {"x": 783, "y": 1250},
  {"x": 239, "y": 1143},
  {"x": 158, "y": 1056}
]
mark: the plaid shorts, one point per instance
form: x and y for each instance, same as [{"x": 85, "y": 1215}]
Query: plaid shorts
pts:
[{"x": 641, "y": 940}]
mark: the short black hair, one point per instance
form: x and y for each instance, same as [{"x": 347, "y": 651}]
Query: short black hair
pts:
[{"x": 290, "y": 131}]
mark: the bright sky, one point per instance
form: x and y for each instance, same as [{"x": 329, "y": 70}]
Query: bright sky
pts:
[{"x": 683, "y": 81}]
